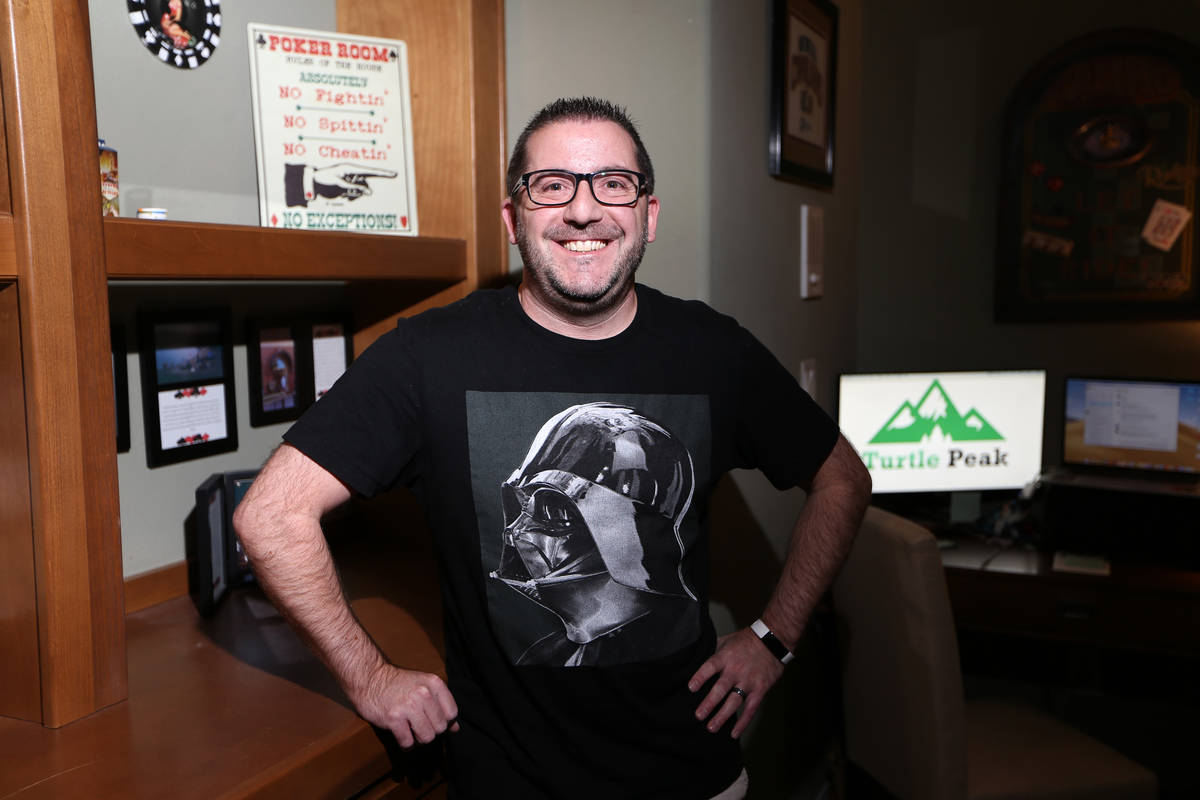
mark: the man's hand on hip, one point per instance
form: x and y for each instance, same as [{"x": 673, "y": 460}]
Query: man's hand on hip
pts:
[{"x": 745, "y": 671}]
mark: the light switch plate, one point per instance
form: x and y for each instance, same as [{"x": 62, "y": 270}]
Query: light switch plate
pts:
[
  {"x": 812, "y": 251},
  {"x": 808, "y": 376}
]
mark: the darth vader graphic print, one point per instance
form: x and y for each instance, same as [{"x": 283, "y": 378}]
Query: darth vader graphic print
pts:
[{"x": 587, "y": 546}]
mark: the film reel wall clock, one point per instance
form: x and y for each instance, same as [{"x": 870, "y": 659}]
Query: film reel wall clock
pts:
[{"x": 182, "y": 33}]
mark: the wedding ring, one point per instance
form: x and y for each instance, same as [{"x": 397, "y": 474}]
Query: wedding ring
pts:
[{"x": 739, "y": 691}]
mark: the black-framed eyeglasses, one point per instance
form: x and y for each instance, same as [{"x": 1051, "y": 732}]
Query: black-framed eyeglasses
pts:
[{"x": 557, "y": 187}]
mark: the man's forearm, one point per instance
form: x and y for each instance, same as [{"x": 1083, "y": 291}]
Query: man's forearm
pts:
[
  {"x": 302, "y": 582},
  {"x": 819, "y": 543},
  {"x": 279, "y": 525}
]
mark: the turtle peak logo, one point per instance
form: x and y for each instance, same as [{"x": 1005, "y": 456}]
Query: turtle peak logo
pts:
[{"x": 935, "y": 418}]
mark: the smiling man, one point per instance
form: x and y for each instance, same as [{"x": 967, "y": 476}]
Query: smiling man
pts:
[
  {"x": 580, "y": 249},
  {"x": 565, "y": 436}
]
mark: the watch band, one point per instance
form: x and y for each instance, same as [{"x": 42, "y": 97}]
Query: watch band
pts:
[{"x": 772, "y": 642}]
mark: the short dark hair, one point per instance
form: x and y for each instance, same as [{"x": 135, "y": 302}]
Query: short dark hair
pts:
[{"x": 581, "y": 109}]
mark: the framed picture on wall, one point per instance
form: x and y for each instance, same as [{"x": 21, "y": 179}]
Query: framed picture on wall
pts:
[
  {"x": 278, "y": 374},
  {"x": 803, "y": 90},
  {"x": 1099, "y": 183},
  {"x": 186, "y": 360}
]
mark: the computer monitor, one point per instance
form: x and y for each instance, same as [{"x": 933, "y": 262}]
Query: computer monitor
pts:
[
  {"x": 920, "y": 432},
  {"x": 1132, "y": 425}
]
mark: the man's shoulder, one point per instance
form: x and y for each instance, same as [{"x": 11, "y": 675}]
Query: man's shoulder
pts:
[
  {"x": 480, "y": 301},
  {"x": 670, "y": 311},
  {"x": 482, "y": 307}
]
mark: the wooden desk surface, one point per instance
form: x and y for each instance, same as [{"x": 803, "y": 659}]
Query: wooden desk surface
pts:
[{"x": 236, "y": 706}]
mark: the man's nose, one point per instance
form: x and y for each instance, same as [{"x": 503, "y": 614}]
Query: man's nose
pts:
[{"x": 583, "y": 207}]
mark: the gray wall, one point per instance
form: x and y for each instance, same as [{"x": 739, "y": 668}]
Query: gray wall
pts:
[
  {"x": 936, "y": 75},
  {"x": 654, "y": 61},
  {"x": 754, "y": 233}
]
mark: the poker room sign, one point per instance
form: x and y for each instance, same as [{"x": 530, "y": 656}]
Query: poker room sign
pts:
[{"x": 333, "y": 131}]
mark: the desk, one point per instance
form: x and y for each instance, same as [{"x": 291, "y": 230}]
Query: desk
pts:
[
  {"x": 235, "y": 706},
  {"x": 1142, "y": 607}
]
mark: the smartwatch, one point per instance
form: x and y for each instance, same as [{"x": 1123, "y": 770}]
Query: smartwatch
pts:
[{"x": 771, "y": 641}]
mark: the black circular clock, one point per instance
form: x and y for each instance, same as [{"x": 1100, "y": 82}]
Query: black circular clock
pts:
[{"x": 182, "y": 33}]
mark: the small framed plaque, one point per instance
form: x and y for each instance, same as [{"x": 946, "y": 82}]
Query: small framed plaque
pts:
[
  {"x": 187, "y": 385},
  {"x": 331, "y": 353},
  {"x": 278, "y": 373}
]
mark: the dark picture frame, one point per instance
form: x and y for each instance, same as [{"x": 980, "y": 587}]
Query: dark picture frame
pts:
[
  {"x": 319, "y": 349},
  {"x": 188, "y": 398},
  {"x": 1096, "y": 161},
  {"x": 804, "y": 39},
  {"x": 331, "y": 349},
  {"x": 279, "y": 378},
  {"x": 120, "y": 386}
]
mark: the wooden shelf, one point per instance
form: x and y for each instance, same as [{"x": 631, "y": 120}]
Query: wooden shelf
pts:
[{"x": 158, "y": 249}]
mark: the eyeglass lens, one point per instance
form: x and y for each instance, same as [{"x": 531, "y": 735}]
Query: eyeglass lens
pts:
[{"x": 614, "y": 187}]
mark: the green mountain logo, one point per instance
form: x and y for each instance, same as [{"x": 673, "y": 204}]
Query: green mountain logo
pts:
[{"x": 935, "y": 411}]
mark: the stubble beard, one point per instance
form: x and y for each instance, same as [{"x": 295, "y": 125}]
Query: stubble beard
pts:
[{"x": 542, "y": 270}]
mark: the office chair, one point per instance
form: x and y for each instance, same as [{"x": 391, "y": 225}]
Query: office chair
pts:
[{"x": 907, "y": 723}]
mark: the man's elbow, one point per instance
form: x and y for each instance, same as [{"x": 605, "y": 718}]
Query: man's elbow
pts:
[
  {"x": 242, "y": 516},
  {"x": 862, "y": 482},
  {"x": 250, "y": 521}
]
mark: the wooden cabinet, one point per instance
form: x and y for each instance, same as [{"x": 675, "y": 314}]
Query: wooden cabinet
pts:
[
  {"x": 61, "y": 573},
  {"x": 1151, "y": 608}
]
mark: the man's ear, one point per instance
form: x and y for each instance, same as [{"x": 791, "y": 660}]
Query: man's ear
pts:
[
  {"x": 651, "y": 217},
  {"x": 508, "y": 212}
]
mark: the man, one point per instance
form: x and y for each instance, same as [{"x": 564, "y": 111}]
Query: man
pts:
[{"x": 564, "y": 437}]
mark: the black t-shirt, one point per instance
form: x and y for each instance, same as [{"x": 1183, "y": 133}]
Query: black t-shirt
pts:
[{"x": 566, "y": 483}]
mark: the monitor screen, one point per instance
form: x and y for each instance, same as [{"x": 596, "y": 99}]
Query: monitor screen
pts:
[
  {"x": 1134, "y": 424},
  {"x": 945, "y": 431}
]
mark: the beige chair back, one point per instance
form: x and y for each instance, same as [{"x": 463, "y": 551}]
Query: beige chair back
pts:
[{"x": 901, "y": 680}]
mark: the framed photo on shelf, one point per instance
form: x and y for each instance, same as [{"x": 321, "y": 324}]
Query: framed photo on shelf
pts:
[
  {"x": 120, "y": 386},
  {"x": 804, "y": 37},
  {"x": 274, "y": 357},
  {"x": 292, "y": 363},
  {"x": 188, "y": 403},
  {"x": 331, "y": 352}
]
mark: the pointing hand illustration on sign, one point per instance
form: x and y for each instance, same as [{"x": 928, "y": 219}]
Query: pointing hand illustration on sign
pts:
[{"x": 304, "y": 183}]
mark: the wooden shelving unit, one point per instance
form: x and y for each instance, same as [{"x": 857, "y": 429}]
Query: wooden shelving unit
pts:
[
  {"x": 61, "y": 585},
  {"x": 8, "y": 249}
]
